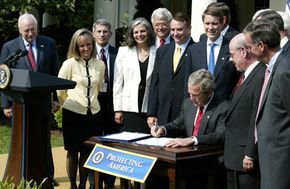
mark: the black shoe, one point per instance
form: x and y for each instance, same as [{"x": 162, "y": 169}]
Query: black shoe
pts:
[{"x": 53, "y": 182}]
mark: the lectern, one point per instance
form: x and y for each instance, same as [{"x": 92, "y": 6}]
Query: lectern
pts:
[{"x": 28, "y": 149}]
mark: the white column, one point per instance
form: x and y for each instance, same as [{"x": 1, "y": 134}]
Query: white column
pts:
[
  {"x": 278, "y": 5},
  {"x": 197, "y": 8},
  {"x": 107, "y": 9}
]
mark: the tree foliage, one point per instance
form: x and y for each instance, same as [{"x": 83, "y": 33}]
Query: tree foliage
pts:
[{"x": 70, "y": 15}]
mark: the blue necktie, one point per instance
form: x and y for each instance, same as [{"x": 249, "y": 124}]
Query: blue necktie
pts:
[{"x": 211, "y": 63}]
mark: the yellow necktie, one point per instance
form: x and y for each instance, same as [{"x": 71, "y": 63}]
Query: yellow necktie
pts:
[{"x": 176, "y": 57}]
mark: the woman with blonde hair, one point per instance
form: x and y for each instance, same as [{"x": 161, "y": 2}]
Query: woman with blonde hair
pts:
[{"x": 80, "y": 106}]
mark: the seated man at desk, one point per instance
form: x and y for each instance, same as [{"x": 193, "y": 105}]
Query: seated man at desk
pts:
[{"x": 197, "y": 123}]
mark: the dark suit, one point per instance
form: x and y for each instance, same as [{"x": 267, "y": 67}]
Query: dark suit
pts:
[
  {"x": 167, "y": 87},
  {"x": 231, "y": 32},
  {"x": 273, "y": 125},
  {"x": 209, "y": 132},
  {"x": 206, "y": 169},
  {"x": 286, "y": 47},
  {"x": 106, "y": 99},
  {"x": 240, "y": 121},
  {"x": 107, "y": 114},
  {"x": 225, "y": 73},
  {"x": 47, "y": 62}
]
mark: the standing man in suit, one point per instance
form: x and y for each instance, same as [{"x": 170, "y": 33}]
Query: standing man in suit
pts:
[
  {"x": 107, "y": 53},
  {"x": 273, "y": 115},
  {"x": 240, "y": 154},
  {"x": 227, "y": 31},
  {"x": 198, "y": 124},
  {"x": 160, "y": 20},
  {"x": 45, "y": 60},
  {"x": 167, "y": 85},
  {"x": 213, "y": 54}
]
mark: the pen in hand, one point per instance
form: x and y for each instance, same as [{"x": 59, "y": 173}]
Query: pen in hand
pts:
[{"x": 156, "y": 130}]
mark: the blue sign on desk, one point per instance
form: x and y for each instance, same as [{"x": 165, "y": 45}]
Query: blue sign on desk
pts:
[{"x": 120, "y": 163}]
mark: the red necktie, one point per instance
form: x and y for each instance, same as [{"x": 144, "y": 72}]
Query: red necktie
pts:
[
  {"x": 197, "y": 122},
  {"x": 162, "y": 42},
  {"x": 31, "y": 57},
  {"x": 241, "y": 80}
]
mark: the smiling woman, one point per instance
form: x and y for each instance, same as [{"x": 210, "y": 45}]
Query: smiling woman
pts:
[{"x": 132, "y": 77}]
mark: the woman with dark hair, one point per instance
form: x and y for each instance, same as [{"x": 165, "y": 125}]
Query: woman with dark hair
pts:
[{"x": 133, "y": 68}]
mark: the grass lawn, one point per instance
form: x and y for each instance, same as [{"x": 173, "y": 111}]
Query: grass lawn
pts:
[{"x": 5, "y": 132}]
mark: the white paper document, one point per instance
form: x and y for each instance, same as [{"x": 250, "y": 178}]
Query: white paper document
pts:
[
  {"x": 125, "y": 136},
  {"x": 154, "y": 141}
]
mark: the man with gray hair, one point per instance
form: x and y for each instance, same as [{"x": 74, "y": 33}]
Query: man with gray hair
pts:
[
  {"x": 272, "y": 129},
  {"x": 198, "y": 124},
  {"x": 160, "y": 20}
]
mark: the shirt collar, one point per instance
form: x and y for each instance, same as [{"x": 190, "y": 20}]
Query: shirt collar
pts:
[
  {"x": 182, "y": 46},
  {"x": 106, "y": 48},
  {"x": 218, "y": 41},
  {"x": 283, "y": 41},
  {"x": 250, "y": 69},
  {"x": 26, "y": 43},
  {"x": 273, "y": 60},
  {"x": 224, "y": 31}
]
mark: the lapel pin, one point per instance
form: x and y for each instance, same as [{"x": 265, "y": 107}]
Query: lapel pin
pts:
[{"x": 223, "y": 58}]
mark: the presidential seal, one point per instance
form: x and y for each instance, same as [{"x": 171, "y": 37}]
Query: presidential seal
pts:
[
  {"x": 5, "y": 76},
  {"x": 98, "y": 157}
]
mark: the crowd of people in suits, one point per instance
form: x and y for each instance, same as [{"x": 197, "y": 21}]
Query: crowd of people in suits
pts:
[{"x": 229, "y": 88}]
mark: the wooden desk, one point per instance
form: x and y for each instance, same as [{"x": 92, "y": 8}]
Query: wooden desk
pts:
[{"x": 172, "y": 162}]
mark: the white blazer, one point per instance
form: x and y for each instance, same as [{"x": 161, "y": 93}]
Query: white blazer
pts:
[{"x": 127, "y": 77}]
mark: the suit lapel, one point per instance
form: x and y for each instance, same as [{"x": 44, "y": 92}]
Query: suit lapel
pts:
[
  {"x": 183, "y": 57},
  {"x": 280, "y": 57},
  {"x": 112, "y": 57},
  {"x": 243, "y": 88},
  {"x": 40, "y": 53},
  {"x": 151, "y": 61},
  {"x": 207, "y": 114},
  {"x": 192, "y": 113},
  {"x": 223, "y": 57}
]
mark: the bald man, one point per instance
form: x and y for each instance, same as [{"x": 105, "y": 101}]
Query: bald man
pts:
[{"x": 240, "y": 150}]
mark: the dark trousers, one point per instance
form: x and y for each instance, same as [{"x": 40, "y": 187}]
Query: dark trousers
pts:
[{"x": 242, "y": 180}]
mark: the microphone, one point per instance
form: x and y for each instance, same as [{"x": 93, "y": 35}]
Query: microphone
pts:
[
  {"x": 10, "y": 57},
  {"x": 11, "y": 60}
]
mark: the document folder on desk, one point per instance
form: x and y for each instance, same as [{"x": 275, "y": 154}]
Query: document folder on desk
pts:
[{"x": 123, "y": 137}]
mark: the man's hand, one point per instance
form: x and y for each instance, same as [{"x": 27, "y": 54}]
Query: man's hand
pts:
[
  {"x": 151, "y": 121},
  {"x": 248, "y": 164},
  {"x": 157, "y": 131},
  {"x": 180, "y": 142},
  {"x": 8, "y": 112},
  {"x": 119, "y": 117}
]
